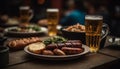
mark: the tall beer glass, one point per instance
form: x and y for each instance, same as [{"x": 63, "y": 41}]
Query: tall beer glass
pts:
[
  {"x": 25, "y": 14},
  {"x": 93, "y": 26},
  {"x": 53, "y": 17}
]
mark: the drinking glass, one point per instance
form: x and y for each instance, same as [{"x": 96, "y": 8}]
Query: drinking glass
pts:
[
  {"x": 25, "y": 14},
  {"x": 93, "y": 27},
  {"x": 52, "y": 17}
]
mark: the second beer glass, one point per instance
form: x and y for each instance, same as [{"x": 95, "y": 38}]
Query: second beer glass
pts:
[
  {"x": 53, "y": 17},
  {"x": 93, "y": 24},
  {"x": 25, "y": 14}
]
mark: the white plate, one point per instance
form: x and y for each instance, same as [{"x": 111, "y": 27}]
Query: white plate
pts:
[{"x": 50, "y": 57}]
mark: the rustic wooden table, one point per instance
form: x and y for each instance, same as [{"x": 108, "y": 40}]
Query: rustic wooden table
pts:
[{"x": 106, "y": 58}]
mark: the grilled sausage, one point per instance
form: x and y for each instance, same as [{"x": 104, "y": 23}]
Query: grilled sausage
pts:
[
  {"x": 58, "y": 52},
  {"x": 69, "y": 50},
  {"x": 47, "y": 52},
  {"x": 51, "y": 46},
  {"x": 74, "y": 44},
  {"x": 68, "y": 44},
  {"x": 60, "y": 45},
  {"x": 20, "y": 43},
  {"x": 77, "y": 45}
]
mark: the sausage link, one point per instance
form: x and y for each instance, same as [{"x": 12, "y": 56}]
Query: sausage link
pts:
[
  {"x": 47, "y": 52},
  {"x": 69, "y": 50},
  {"x": 51, "y": 46},
  {"x": 20, "y": 43},
  {"x": 58, "y": 52}
]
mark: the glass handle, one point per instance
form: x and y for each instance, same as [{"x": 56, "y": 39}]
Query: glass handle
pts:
[
  {"x": 31, "y": 14},
  {"x": 105, "y": 30}
]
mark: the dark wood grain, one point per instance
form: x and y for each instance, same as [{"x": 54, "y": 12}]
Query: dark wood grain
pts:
[
  {"x": 113, "y": 51},
  {"x": 17, "y": 57},
  {"x": 86, "y": 62},
  {"x": 110, "y": 49}
]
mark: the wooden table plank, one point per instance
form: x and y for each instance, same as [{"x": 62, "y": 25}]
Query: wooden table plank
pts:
[
  {"x": 17, "y": 57},
  {"x": 86, "y": 62},
  {"x": 111, "y": 50}
]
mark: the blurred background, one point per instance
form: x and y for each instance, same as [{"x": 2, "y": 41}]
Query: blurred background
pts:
[{"x": 71, "y": 11}]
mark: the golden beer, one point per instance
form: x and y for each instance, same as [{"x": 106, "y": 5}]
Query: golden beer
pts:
[
  {"x": 25, "y": 14},
  {"x": 53, "y": 17},
  {"x": 93, "y": 26}
]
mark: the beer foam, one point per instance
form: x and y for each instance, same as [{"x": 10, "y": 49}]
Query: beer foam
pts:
[
  {"x": 52, "y": 10},
  {"x": 24, "y": 7},
  {"x": 93, "y": 17}
]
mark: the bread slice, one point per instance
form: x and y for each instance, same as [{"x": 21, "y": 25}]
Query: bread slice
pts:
[{"x": 36, "y": 47}]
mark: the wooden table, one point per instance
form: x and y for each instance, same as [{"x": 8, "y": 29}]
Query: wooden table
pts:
[{"x": 106, "y": 58}]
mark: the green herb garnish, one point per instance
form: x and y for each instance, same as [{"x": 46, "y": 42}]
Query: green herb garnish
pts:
[{"x": 55, "y": 39}]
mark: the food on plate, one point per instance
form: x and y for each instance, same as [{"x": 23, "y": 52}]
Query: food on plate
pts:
[
  {"x": 59, "y": 42},
  {"x": 69, "y": 43},
  {"x": 55, "y": 39},
  {"x": 57, "y": 46},
  {"x": 36, "y": 47},
  {"x": 47, "y": 52},
  {"x": 76, "y": 28},
  {"x": 69, "y": 50},
  {"x": 66, "y": 44},
  {"x": 22, "y": 42},
  {"x": 77, "y": 45},
  {"x": 51, "y": 46},
  {"x": 28, "y": 28},
  {"x": 58, "y": 52},
  {"x": 60, "y": 45}
]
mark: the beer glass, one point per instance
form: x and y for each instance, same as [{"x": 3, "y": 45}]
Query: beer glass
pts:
[
  {"x": 25, "y": 14},
  {"x": 52, "y": 17},
  {"x": 93, "y": 27}
]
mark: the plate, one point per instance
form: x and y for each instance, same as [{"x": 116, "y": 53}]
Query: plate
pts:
[
  {"x": 24, "y": 34},
  {"x": 66, "y": 57}
]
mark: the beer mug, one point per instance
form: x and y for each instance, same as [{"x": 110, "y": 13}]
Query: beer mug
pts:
[
  {"x": 52, "y": 17},
  {"x": 93, "y": 26},
  {"x": 25, "y": 14}
]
